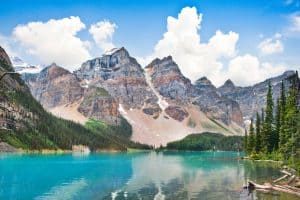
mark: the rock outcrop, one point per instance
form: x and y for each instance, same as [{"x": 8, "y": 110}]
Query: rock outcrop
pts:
[
  {"x": 168, "y": 80},
  {"x": 252, "y": 99},
  {"x": 98, "y": 104},
  {"x": 215, "y": 105},
  {"x": 54, "y": 86}
]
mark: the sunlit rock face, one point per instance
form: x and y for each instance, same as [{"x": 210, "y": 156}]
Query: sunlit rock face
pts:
[
  {"x": 54, "y": 86},
  {"x": 98, "y": 104},
  {"x": 122, "y": 77},
  {"x": 168, "y": 80},
  {"x": 252, "y": 99}
]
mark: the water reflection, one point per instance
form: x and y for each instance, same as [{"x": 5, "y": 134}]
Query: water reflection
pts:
[{"x": 164, "y": 175}]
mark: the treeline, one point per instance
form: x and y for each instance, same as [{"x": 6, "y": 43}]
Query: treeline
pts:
[
  {"x": 207, "y": 141},
  {"x": 275, "y": 133}
]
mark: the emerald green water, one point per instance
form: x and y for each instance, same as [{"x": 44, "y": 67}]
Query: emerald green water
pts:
[{"x": 150, "y": 175}]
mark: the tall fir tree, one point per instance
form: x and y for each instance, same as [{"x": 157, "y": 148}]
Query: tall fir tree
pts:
[
  {"x": 282, "y": 129},
  {"x": 291, "y": 116},
  {"x": 257, "y": 134},
  {"x": 268, "y": 130},
  {"x": 246, "y": 142},
  {"x": 277, "y": 125},
  {"x": 251, "y": 139}
]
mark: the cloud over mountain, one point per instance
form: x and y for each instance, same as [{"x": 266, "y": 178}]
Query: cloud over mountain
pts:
[{"x": 54, "y": 41}]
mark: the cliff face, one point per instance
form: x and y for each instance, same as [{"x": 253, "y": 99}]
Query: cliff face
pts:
[
  {"x": 215, "y": 105},
  {"x": 167, "y": 79},
  {"x": 54, "y": 86},
  {"x": 252, "y": 99},
  {"x": 98, "y": 104},
  {"x": 176, "y": 89},
  {"x": 122, "y": 77},
  {"x": 12, "y": 115}
]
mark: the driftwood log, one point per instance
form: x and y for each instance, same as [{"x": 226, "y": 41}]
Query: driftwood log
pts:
[{"x": 268, "y": 187}]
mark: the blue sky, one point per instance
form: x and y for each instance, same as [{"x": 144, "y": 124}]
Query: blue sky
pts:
[{"x": 139, "y": 25}]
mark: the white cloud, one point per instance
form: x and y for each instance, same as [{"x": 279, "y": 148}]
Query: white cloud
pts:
[
  {"x": 295, "y": 23},
  {"x": 54, "y": 41},
  {"x": 247, "y": 69},
  {"x": 102, "y": 33},
  {"x": 196, "y": 58},
  {"x": 271, "y": 45}
]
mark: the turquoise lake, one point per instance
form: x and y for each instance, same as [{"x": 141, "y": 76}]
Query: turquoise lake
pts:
[{"x": 148, "y": 175}]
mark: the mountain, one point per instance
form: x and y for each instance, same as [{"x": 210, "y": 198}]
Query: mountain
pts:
[
  {"x": 22, "y": 67},
  {"x": 25, "y": 124},
  {"x": 157, "y": 101},
  {"x": 253, "y": 98}
]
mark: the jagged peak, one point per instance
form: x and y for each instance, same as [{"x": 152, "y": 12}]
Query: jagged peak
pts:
[
  {"x": 53, "y": 71},
  {"x": 203, "y": 80},
  {"x": 115, "y": 50},
  {"x": 161, "y": 61},
  {"x": 229, "y": 83}
]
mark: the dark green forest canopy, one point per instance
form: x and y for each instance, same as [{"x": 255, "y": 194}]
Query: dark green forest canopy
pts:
[{"x": 207, "y": 141}]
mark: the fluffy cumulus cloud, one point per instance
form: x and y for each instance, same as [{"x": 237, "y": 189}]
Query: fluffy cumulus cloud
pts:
[
  {"x": 196, "y": 58},
  {"x": 54, "y": 41},
  {"x": 248, "y": 69},
  {"x": 271, "y": 45},
  {"x": 102, "y": 33}
]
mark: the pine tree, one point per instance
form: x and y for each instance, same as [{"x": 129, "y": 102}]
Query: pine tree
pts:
[
  {"x": 268, "y": 122},
  {"x": 251, "y": 139},
  {"x": 257, "y": 134},
  {"x": 282, "y": 134},
  {"x": 277, "y": 125},
  {"x": 291, "y": 116},
  {"x": 246, "y": 142}
]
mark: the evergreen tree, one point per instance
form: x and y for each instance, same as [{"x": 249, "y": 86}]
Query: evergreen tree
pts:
[
  {"x": 282, "y": 134},
  {"x": 251, "y": 139},
  {"x": 268, "y": 123},
  {"x": 258, "y": 134},
  {"x": 277, "y": 125},
  {"x": 291, "y": 117},
  {"x": 246, "y": 142}
]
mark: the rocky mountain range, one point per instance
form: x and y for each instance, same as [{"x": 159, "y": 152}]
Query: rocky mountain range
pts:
[
  {"x": 252, "y": 98},
  {"x": 158, "y": 101},
  {"x": 24, "y": 124}
]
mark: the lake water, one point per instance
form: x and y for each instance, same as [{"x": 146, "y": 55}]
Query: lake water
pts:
[{"x": 150, "y": 175}]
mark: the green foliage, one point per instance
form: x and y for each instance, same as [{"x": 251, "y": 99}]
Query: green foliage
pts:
[
  {"x": 268, "y": 141},
  {"x": 207, "y": 141},
  {"x": 258, "y": 137},
  {"x": 281, "y": 133},
  {"x": 118, "y": 134},
  {"x": 251, "y": 138}
]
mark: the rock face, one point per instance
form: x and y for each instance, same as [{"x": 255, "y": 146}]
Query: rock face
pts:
[
  {"x": 253, "y": 98},
  {"x": 99, "y": 104},
  {"x": 54, "y": 86},
  {"x": 122, "y": 77},
  {"x": 177, "y": 113},
  {"x": 168, "y": 80},
  {"x": 12, "y": 115},
  {"x": 215, "y": 105}
]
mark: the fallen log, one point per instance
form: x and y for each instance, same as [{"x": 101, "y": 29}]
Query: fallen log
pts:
[
  {"x": 270, "y": 187},
  {"x": 285, "y": 172},
  {"x": 280, "y": 189},
  {"x": 292, "y": 188},
  {"x": 281, "y": 178}
]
